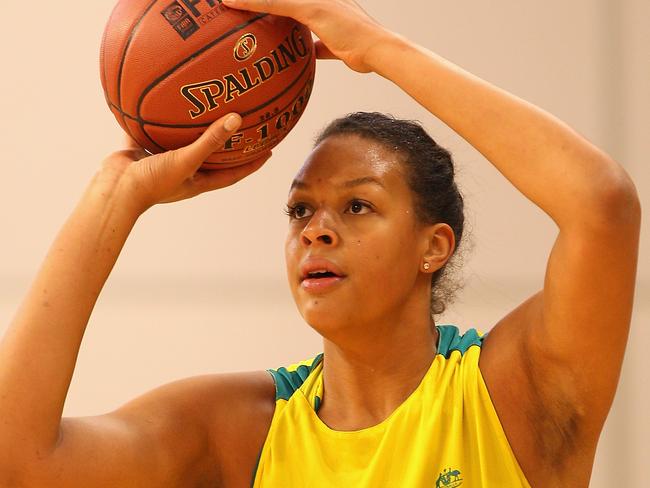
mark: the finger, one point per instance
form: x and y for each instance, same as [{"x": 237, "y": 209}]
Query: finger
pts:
[
  {"x": 276, "y": 7},
  {"x": 219, "y": 178},
  {"x": 134, "y": 149},
  {"x": 215, "y": 161},
  {"x": 130, "y": 142},
  {"x": 323, "y": 52},
  {"x": 212, "y": 140}
]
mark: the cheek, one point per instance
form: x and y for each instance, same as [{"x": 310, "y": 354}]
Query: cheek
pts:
[
  {"x": 290, "y": 248},
  {"x": 388, "y": 260},
  {"x": 372, "y": 261}
]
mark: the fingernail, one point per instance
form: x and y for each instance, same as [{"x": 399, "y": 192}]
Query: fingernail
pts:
[{"x": 232, "y": 122}]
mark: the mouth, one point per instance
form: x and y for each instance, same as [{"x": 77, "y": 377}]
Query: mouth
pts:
[
  {"x": 318, "y": 275},
  {"x": 320, "y": 283}
]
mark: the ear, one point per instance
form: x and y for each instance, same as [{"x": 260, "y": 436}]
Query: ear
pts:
[{"x": 440, "y": 245}]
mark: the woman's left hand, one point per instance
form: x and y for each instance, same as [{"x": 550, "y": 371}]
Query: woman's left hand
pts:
[{"x": 345, "y": 30}]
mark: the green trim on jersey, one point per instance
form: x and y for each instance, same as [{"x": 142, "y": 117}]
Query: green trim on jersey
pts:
[
  {"x": 451, "y": 340},
  {"x": 287, "y": 382}
]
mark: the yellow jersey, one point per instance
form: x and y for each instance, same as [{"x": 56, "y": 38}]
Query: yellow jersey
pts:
[{"x": 446, "y": 434}]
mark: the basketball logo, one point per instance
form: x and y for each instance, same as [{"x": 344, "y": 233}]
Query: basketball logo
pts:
[
  {"x": 180, "y": 20},
  {"x": 449, "y": 479},
  {"x": 174, "y": 13},
  {"x": 245, "y": 47}
]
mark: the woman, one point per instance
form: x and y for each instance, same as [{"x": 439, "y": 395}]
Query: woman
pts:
[{"x": 399, "y": 401}]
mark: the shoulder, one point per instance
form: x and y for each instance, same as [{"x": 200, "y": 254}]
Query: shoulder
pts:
[
  {"x": 231, "y": 411},
  {"x": 234, "y": 411},
  {"x": 205, "y": 397},
  {"x": 179, "y": 434}
]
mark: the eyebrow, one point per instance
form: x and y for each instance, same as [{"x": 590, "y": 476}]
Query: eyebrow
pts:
[{"x": 364, "y": 180}]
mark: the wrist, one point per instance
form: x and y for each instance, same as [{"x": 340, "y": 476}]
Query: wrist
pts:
[
  {"x": 116, "y": 189},
  {"x": 381, "y": 56}
]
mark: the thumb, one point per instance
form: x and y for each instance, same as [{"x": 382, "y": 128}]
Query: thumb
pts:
[
  {"x": 132, "y": 146},
  {"x": 275, "y": 7},
  {"x": 323, "y": 52},
  {"x": 211, "y": 141}
]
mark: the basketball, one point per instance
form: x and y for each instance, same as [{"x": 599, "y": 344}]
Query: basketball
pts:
[{"x": 171, "y": 68}]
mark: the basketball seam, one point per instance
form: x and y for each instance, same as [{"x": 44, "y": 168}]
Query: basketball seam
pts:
[
  {"x": 102, "y": 58},
  {"x": 142, "y": 121},
  {"x": 255, "y": 109},
  {"x": 103, "y": 54},
  {"x": 126, "y": 49},
  {"x": 102, "y": 74},
  {"x": 310, "y": 80},
  {"x": 121, "y": 69},
  {"x": 194, "y": 55}
]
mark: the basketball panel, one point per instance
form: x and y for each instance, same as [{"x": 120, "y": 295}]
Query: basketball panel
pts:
[
  {"x": 123, "y": 19},
  {"x": 160, "y": 46},
  {"x": 137, "y": 132},
  {"x": 207, "y": 87},
  {"x": 260, "y": 131}
]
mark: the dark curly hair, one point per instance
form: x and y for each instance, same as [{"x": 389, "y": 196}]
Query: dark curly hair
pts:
[{"x": 430, "y": 175}]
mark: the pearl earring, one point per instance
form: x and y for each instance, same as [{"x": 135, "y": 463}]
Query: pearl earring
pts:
[{"x": 426, "y": 266}]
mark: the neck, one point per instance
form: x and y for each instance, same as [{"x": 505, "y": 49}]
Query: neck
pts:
[{"x": 364, "y": 382}]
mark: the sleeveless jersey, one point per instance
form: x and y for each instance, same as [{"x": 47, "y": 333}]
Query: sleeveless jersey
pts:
[{"x": 445, "y": 434}]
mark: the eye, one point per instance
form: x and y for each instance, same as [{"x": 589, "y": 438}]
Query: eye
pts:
[
  {"x": 359, "y": 207},
  {"x": 298, "y": 211}
]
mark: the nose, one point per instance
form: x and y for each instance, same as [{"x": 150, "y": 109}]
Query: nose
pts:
[{"x": 319, "y": 230}]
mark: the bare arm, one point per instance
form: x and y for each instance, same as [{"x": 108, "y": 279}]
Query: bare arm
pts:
[
  {"x": 571, "y": 336},
  {"x": 39, "y": 350},
  {"x": 553, "y": 365},
  {"x": 51, "y": 321},
  {"x": 557, "y": 169}
]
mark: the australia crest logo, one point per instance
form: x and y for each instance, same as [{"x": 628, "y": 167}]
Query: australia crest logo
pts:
[{"x": 449, "y": 479}]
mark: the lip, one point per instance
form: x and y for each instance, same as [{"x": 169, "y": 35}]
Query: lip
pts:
[
  {"x": 310, "y": 265},
  {"x": 319, "y": 285}
]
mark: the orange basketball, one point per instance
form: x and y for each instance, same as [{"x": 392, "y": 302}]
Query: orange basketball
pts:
[{"x": 170, "y": 68}]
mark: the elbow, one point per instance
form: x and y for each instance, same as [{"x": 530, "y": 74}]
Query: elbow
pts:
[
  {"x": 618, "y": 200},
  {"x": 608, "y": 196}
]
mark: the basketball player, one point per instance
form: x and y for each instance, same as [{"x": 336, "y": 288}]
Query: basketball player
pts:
[{"x": 394, "y": 400}]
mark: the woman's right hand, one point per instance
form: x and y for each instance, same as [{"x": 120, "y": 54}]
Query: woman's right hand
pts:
[
  {"x": 344, "y": 29},
  {"x": 176, "y": 175}
]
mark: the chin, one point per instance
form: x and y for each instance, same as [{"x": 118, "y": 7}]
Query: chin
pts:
[{"x": 324, "y": 315}]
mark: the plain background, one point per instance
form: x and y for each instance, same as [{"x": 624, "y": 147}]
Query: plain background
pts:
[{"x": 200, "y": 287}]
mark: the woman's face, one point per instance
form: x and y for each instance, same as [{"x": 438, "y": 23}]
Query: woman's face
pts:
[{"x": 354, "y": 249}]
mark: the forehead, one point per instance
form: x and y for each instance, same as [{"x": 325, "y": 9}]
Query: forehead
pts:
[{"x": 340, "y": 159}]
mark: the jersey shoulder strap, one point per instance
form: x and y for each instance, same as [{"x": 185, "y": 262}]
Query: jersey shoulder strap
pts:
[
  {"x": 452, "y": 340},
  {"x": 288, "y": 379}
]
